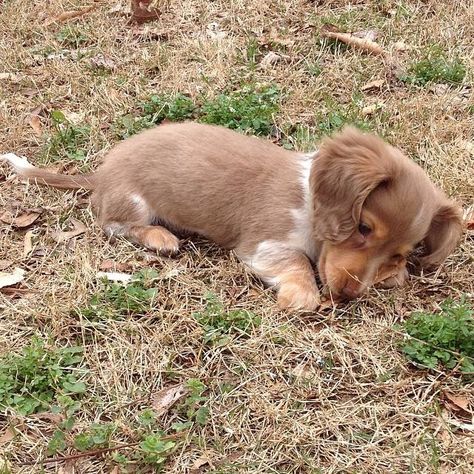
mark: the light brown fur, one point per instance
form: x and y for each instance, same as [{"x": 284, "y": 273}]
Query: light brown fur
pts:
[{"x": 249, "y": 195}]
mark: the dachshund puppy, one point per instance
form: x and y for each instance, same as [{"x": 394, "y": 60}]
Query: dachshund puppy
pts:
[{"x": 356, "y": 207}]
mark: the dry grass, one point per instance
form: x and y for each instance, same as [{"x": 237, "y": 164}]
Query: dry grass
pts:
[{"x": 322, "y": 393}]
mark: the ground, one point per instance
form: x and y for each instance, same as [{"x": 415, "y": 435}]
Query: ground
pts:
[{"x": 278, "y": 392}]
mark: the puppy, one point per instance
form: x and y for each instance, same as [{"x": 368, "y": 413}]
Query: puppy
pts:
[{"x": 356, "y": 207}]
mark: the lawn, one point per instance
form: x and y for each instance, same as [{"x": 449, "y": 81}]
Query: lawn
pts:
[{"x": 190, "y": 367}]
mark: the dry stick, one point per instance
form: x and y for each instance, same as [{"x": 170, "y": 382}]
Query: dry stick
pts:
[{"x": 94, "y": 452}]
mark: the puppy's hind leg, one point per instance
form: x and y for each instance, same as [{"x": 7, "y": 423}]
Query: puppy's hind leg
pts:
[{"x": 131, "y": 218}]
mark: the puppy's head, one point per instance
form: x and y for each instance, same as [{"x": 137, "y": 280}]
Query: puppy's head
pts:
[{"x": 372, "y": 206}]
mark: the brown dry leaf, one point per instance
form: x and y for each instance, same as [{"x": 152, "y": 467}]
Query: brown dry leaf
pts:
[
  {"x": 101, "y": 61},
  {"x": 55, "y": 418},
  {"x": 364, "y": 44},
  {"x": 144, "y": 10},
  {"x": 11, "y": 76},
  {"x": 377, "y": 84},
  {"x": 469, "y": 217},
  {"x": 7, "y": 436},
  {"x": 108, "y": 265},
  {"x": 28, "y": 243},
  {"x": 20, "y": 221},
  {"x": 35, "y": 124},
  {"x": 70, "y": 15},
  {"x": 115, "y": 470},
  {"x": 78, "y": 229},
  {"x": 372, "y": 108},
  {"x": 10, "y": 279},
  {"x": 144, "y": 32},
  {"x": 401, "y": 46},
  {"x": 370, "y": 35},
  {"x": 202, "y": 461},
  {"x": 162, "y": 401},
  {"x": 459, "y": 402}
]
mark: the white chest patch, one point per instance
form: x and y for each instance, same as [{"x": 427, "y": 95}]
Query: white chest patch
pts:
[{"x": 301, "y": 237}]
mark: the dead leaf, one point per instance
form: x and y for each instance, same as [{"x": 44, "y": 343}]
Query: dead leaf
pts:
[
  {"x": 7, "y": 436},
  {"x": 78, "y": 229},
  {"x": 163, "y": 400},
  {"x": 115, "y": 276},
  {"x": 468, "y": 217},
  {"x": 372, "y": 108},
  {"x": 28, "y": 243},
  {"x": 145, "y": 32},
  {"x": 459, "y": 402},
  {"x": 115, "y": 470},
  {"x": 364, "y": 44},
  {"x": 70, "y": 15},
  {"x": 198, "y": 463},
  {"x": 10, "y": 279},
  {"x": 214, "y": 32},
  {"x": 5, "y": 264},
  {"x": 11, "y": 76},
  {"x": 103, "y": 62},
  {"x": 370, "y": 35},
  {"x": 144, "y": 11},
  {"x": 35, "y": 124},
  {"x": 20, "y": 221},
  {"x": 55, "y": 418},
  {"x": 107, "y": 265},
  {"x": 270, "y": 59},
  {"x": 401, "y": 46},
  {"x": 377, "y": 84}
]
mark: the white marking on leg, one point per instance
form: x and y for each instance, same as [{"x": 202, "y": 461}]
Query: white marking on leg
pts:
[{"x": 266, "y": 254}]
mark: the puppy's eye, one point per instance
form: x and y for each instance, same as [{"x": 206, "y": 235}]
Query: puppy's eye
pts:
[
  {"x": 397, "y": 257},
  {"x": 364, "y": 229}
]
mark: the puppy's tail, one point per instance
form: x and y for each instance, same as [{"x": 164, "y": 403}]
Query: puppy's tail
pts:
[{"x": 26, "y": 170}]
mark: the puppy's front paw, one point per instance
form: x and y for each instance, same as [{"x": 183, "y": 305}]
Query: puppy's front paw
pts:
[
  {"x": 298, "y": 296},
  {"x": 161, "y": 240}
]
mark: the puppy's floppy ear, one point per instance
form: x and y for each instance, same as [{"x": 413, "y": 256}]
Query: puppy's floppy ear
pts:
[
  {"x": 347, "y": 169},
  {"x": 443, "y": 235}
]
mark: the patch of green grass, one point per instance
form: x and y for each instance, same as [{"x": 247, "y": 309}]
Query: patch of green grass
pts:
[
  {"x": 249, "y": 109},
  {"x": 220, "y": 325},
  {"x": 176, "y": 108},
  {"x": 444, "y": 339},
  {"x": 34, "y": 379},
  {"x": 67, "y": 139},
  {"x": 115, "y": 300},
  {"x": 435, "y": 67},
  {"x": 173, "y": 107},
  {"x": 71, "y": 36}
]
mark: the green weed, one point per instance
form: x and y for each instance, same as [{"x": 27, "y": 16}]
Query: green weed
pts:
[
  {"x": 71, "y": 36},
  {"x": 219, "y": 325},
  {"x": 435, "y": 67},
  {"x": 115, "y": 300},
  {"x": 66, "y": 140},
  {"x": 34, "y": 379},
  {"x": 250, "y": 109},
  {"x": 194, "y": 404},
  {"x": 444, "y": 339}
]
